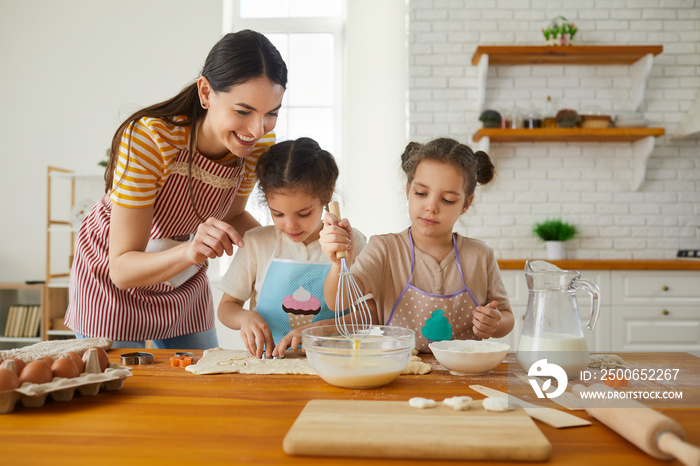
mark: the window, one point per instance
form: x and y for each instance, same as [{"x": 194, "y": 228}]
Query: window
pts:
[{"x": 309, "y": 36}]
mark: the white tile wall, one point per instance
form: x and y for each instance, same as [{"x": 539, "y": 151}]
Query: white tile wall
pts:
[{"x": 588, "y": 184}]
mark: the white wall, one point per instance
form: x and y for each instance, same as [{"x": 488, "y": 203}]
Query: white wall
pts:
[
  {"x": 587, "y": 184},
  {"x": 70, "y": 71}
]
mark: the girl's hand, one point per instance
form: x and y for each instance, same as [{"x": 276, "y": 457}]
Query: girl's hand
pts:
[
  {"x": 335, "y": 236},
  {"x": 290, "y": 340},
  {"x": 256, "y": 335},
  {"x": 213, "y": 238},
  {"x": 485, "y": 320}
]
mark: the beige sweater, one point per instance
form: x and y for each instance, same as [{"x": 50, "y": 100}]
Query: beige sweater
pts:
[{"x": 384, "y": 267}]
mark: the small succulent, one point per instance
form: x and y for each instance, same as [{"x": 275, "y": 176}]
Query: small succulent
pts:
[
  {"x": 555, "y": 230},
  {"x": 568, "y": 118},
  {"x": 490, "y": 119}
]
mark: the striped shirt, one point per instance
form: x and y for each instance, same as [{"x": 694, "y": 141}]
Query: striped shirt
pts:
[
  {"x": 159, "y": 152},
  {"x": 155, "y": 144}
]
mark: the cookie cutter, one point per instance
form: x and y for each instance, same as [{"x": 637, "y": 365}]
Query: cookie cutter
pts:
[
  {"x": 136, "y": 359},
  {"x": 182, "y": 359}
]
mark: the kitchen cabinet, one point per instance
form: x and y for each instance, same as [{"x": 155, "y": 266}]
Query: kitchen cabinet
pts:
[
  {"x": 69, "y": 196},
  {"x": 656, "y": 311},
  {"x": 12, "y": 294},
  {"x": 640, "y": 310},
  {"x": 640, "y": 57}
]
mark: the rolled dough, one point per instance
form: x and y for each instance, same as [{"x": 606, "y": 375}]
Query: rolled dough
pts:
[
  {"x": 223, "y": 361},
  {"x": 458, "y": 403}
]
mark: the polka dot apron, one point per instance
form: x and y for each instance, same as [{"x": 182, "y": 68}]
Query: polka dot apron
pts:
[{"x": 434, "y": 317}]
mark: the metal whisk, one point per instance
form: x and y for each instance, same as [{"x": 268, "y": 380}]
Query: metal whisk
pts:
[{"x": 358, "y": 322}]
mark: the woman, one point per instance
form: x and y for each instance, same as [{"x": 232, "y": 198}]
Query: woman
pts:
[{"x": 177, "y": 183}]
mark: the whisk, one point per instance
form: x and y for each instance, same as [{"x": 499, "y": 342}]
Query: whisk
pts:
[{"x": 359, "y": 316}]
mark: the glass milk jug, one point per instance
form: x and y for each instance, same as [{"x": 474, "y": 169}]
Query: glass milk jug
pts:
[{"x": 552, "y": 328}]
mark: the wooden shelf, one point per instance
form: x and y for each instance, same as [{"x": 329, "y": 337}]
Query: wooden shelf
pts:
[
  {"x": 564, "y": 55},
  {"x": 567, "y": 134}
]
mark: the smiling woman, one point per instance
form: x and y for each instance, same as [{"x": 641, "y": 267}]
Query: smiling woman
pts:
[{"x": 177, "y": 183}]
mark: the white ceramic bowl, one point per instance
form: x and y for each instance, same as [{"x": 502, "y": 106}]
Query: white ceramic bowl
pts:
[
  {"x": 469, "y": 357},
  {"x": 369, "y": 362}
]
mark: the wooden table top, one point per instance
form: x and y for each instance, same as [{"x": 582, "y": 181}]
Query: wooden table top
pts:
[{"x": 165, "y": 415}]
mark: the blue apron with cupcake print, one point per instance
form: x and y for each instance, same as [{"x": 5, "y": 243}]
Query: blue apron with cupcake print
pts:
[{"x": 292, "y": 294}]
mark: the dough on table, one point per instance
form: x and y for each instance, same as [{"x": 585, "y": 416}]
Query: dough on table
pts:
[
  {"x": 496, "y": 404},
  {"x": 422, "y": 403},
  {"x": 416, "y": 366},
  {"x": 219, "y": 360},
  {"x": 458, "y": 403},
  {"x": 608, "y": 361}
]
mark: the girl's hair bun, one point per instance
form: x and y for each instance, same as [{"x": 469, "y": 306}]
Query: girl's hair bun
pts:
[{"x": 485, "y": 169}]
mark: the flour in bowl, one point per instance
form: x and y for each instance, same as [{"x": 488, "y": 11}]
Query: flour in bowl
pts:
[{"x": 477, "y": 346}]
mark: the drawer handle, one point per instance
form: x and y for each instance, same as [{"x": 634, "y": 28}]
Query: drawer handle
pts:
[
  {"x": 665, "y": 288},
  {"x": 665, "y": 312}
]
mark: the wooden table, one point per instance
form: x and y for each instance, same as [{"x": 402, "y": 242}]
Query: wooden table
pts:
[{"x": 165, "y": 415}]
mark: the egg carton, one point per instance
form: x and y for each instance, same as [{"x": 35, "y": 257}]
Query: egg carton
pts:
[{"x": 89, "y": 383}]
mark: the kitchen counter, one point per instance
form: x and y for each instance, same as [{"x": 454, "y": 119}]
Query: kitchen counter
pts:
[
  {"x": 165, "y": 415},
  {"x": 612, "y": 264}
]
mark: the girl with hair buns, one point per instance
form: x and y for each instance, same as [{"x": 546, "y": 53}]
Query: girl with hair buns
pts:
[
  {"x": 442, "y": 285},
  {"x": 177, "y": 183},
  {"x": 282, "y": 267}
]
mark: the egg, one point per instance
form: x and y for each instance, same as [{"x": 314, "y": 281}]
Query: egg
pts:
[
  {"x": 101, "y": 357},
  {"x": 65, "y": 367},
  {"x": 76, "y": 359},
  {"x": 19, "y": 364},
  {"x": 37, "y": 371},
  {"x": 8, "y": 380},
  {"x": 49, "y": 360}
]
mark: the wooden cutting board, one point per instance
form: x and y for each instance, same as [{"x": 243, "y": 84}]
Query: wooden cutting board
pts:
[{"x": 393, "y": 429}]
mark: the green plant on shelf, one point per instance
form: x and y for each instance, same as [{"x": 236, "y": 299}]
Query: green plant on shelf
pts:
[
  {"x": 560, "y": 31},
  {"x": 555, "y": 230}
]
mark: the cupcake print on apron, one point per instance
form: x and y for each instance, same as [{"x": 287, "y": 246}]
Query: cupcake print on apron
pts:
[
  {"x": 434, "y": 317},
  {"x": 292, "y": 294}
]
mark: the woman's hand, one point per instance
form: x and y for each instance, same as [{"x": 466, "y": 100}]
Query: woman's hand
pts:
[
  {"x": 485, "y": 320},
  {"x": 256, "y": 335},
  {"x": 213, "y": 238},
  {"x": 336, "y": 236}
]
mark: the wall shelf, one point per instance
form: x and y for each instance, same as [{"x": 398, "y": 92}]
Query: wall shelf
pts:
[
  {"x": 569, "y": 55},
  {"x": 567, "y": 134},
  {"x": 639, "y": 57}
]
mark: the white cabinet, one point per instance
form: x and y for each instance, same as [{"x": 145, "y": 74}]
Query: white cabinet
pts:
[
  {"x": 656, "y": 311},
  {"x": 640, "y": 310},
  {"x": 597, "y": 340}
]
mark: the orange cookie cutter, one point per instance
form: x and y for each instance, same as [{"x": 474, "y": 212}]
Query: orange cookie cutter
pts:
[{"x": 181, "y": 359}]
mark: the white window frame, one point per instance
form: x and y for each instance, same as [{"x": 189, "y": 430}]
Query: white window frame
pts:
[{"x": 332, "y": 25}]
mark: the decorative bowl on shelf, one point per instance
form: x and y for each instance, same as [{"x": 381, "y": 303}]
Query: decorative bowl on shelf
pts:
[{"x": 595, "y": 121}]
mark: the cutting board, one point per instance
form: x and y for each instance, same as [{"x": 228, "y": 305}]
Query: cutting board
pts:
[{"x": 393, "y": 429}]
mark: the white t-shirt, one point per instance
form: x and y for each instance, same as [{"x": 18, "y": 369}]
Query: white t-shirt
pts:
[{"x": 244, "y": 278}]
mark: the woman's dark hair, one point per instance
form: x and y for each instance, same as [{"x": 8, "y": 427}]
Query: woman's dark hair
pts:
[
  {"x": 475, "y": 166},
  {"x": 237, "y": 57},
  {"x": 298, "y": 165}
]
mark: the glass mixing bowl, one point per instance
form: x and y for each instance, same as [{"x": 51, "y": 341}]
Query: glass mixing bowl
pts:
[{"x": 369, "y": 362}]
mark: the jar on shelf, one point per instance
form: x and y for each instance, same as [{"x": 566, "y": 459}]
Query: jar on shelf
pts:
[
  {"x": 549, "y": 120},
  {"x": 532, "y": 120},
  {"x": 515, "y": 119}
]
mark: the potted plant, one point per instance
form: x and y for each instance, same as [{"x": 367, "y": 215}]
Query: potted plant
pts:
[
  {"x": 490, "y": 119},
  {"x": 560, "y": 32},
  {"x": 568, "y": 118},
  {"x": 554, "y": 232}
]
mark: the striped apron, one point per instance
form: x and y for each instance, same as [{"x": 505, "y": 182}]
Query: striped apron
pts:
[{"x": 97, "y": 308}]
